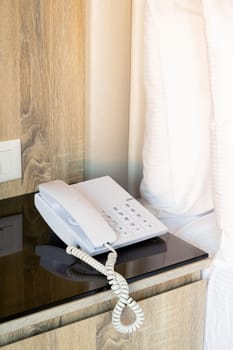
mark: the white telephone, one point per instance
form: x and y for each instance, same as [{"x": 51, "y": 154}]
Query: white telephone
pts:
[
  {"x": 95, "y": 212},
  {"x": 98, "y": 216}
]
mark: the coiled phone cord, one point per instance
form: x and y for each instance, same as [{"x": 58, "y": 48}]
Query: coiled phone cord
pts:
[
  {"x": 81, "y": 276},
  {"x": 118, "y": 285}
]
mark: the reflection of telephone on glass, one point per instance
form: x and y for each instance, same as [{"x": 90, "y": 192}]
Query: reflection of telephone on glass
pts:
[
  {"x": 56, "y": 261},
  {"x": 98, "y": 216}
]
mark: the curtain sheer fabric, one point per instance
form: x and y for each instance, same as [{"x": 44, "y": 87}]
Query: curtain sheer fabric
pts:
[
  {"x": 188, "y": 140},
  {"x": 188, "y": 78},
  {"x": 137, "y": 98},
  {"x": 176, "y": 162},
  {"x": 218, "y": 17},
  {"x": 219, "y": 34}
]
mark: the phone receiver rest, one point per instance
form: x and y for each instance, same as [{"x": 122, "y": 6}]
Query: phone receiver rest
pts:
[{"x": 71, "y": 216}]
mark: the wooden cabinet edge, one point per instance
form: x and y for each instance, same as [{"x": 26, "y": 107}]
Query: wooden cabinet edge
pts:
[
  {"x": 99, "y": 303},
  {"x": 162, "y": 303}
]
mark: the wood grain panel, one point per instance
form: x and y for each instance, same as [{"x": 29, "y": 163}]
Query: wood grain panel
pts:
[
  {"x": 173, "y": 321},
  {"x": 76, "y": 336},
  {"x": 42, "y": 89},
  {"x": 67, "y": 97},
  {"x": 97, "y": 304},
  {"x": 34, "y": 79}
]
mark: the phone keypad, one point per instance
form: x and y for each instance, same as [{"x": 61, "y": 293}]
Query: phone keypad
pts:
[{"x": 128, "y": 219}]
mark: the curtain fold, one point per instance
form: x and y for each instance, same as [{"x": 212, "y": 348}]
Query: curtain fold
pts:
[
  {"x": 218, "y": 17},
  {"x": 180, "y": 94},
  {"x": 219, "y": 33},
  {"x": 137, "y": 97},
  {"x": 176, "y": 168},
  {"x": 188, "y": 143}
]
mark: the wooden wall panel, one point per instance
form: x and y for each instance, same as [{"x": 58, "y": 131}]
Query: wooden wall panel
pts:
[
  {"x": 173, "y": 321},
  {"x": 42, "y": 89}
]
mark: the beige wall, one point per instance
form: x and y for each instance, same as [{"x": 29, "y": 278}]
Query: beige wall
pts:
[
  {"x": 108, "y": 48},
  {"x": 114, "y": 90},
  {"x": 42, "y": 88}
]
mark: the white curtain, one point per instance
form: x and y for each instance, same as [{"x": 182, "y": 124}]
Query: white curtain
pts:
[
  {"x": 137, "y": 98},
  {"x": 219, "y": 33},
  {"x": 218, "y": 17},
  {"x": 176, "y": 149},
  {"x": 187, "y": 79},
  {"x": 209, "y": 30}
]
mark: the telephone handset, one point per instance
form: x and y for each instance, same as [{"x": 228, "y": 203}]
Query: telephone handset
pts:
[
  {"x": 72, "y": 217},
  {"x": 99, "y": 215}
]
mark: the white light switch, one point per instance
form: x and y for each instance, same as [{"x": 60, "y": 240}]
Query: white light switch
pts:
[{"x": 10, "y": 160}]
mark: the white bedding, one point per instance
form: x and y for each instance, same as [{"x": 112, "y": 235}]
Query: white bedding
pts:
[{"x": 201, "y": 231}]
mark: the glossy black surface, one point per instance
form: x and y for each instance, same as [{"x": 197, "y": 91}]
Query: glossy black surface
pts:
[{"x": 36, "y": 273}]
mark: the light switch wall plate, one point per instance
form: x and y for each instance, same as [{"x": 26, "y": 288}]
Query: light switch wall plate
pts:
[{"x": 10, "y": 160}]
